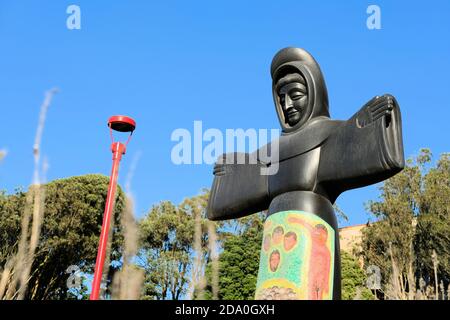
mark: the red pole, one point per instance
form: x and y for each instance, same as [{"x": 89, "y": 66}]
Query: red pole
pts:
[{"x": 118, "y": 149}]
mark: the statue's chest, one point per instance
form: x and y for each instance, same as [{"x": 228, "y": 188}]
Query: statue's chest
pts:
[{"x": 295, "y": 174}]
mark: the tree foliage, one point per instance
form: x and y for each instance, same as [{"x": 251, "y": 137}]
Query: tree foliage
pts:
[
  {"x": 353, "y": 279},
  {"x": 239, "y": 260},
  {"x": 70, "y": 232},
  {"x": 167, "y": 237},
  {"x": 413, "y": 219}
]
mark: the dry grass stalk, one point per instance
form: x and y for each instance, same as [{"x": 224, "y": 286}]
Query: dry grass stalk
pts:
[
  {"x": 38, "y": 213},
  {"x": 127, "y": 283},
  {"x": 17, "y": 261},
  {"x": 212, "y": 244},
  {"x": 14, "y": 282},
  {"x": 199, "y": 254},
  {"x": 197, "y": 283},
  {"x": 6, "y": 276},
  {"x": 435, "y": 260},
  {"x": 3, "y": 154}
]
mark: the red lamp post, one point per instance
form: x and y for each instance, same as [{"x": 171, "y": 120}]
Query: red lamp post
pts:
[{"x": 122, "y": 124}]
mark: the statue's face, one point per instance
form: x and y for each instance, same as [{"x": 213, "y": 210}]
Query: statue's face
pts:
[{"x": 293, "y": 100}]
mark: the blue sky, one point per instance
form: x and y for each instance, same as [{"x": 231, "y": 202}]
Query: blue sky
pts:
[{"x": 170, "y": 63}]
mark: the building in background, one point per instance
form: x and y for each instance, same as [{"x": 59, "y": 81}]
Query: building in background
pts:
[{"x": 351, "y": 237}]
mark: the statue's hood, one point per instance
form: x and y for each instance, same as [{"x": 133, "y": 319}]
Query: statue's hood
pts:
[
  {"x": 310, "y": 134},
  {"x": 289, "y": 60}
]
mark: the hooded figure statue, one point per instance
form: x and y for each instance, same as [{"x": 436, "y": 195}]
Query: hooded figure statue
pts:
[{"x": 318, "y": 159}]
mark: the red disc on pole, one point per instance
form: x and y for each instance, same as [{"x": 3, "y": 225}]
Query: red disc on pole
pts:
[{"x": 122, "y": 123}]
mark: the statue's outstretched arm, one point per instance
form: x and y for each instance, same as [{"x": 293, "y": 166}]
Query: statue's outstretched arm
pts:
[
  {"x": 366, "y": 149},
  {"x": 239, "y": 188}
]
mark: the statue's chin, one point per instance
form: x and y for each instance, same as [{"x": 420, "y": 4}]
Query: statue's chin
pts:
[{"x": 293, "y": 119}]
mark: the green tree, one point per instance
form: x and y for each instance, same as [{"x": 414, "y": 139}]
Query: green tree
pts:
[
  {"x": 239, "y": 261},
  {"x": 166, "y": 237},
  {"x": 413, "y": 219},
  {"x": 433, "y": 229},
  {"x": 353, "y": 279},
  {"x": 70, "y": 232},
  {"x": 11, "y": 209},
  {"x": 167, "y": 247}
]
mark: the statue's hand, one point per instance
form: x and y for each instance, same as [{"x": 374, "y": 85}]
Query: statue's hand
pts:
[
  {"x": 238, "y": 188},
  {"x": 375, "y": 109},
  {"x": 220, "y": 167},
  {"x": 232, "y": 162}
]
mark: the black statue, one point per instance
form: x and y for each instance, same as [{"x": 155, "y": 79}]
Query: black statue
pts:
[{"x": 319, "y": 158}]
